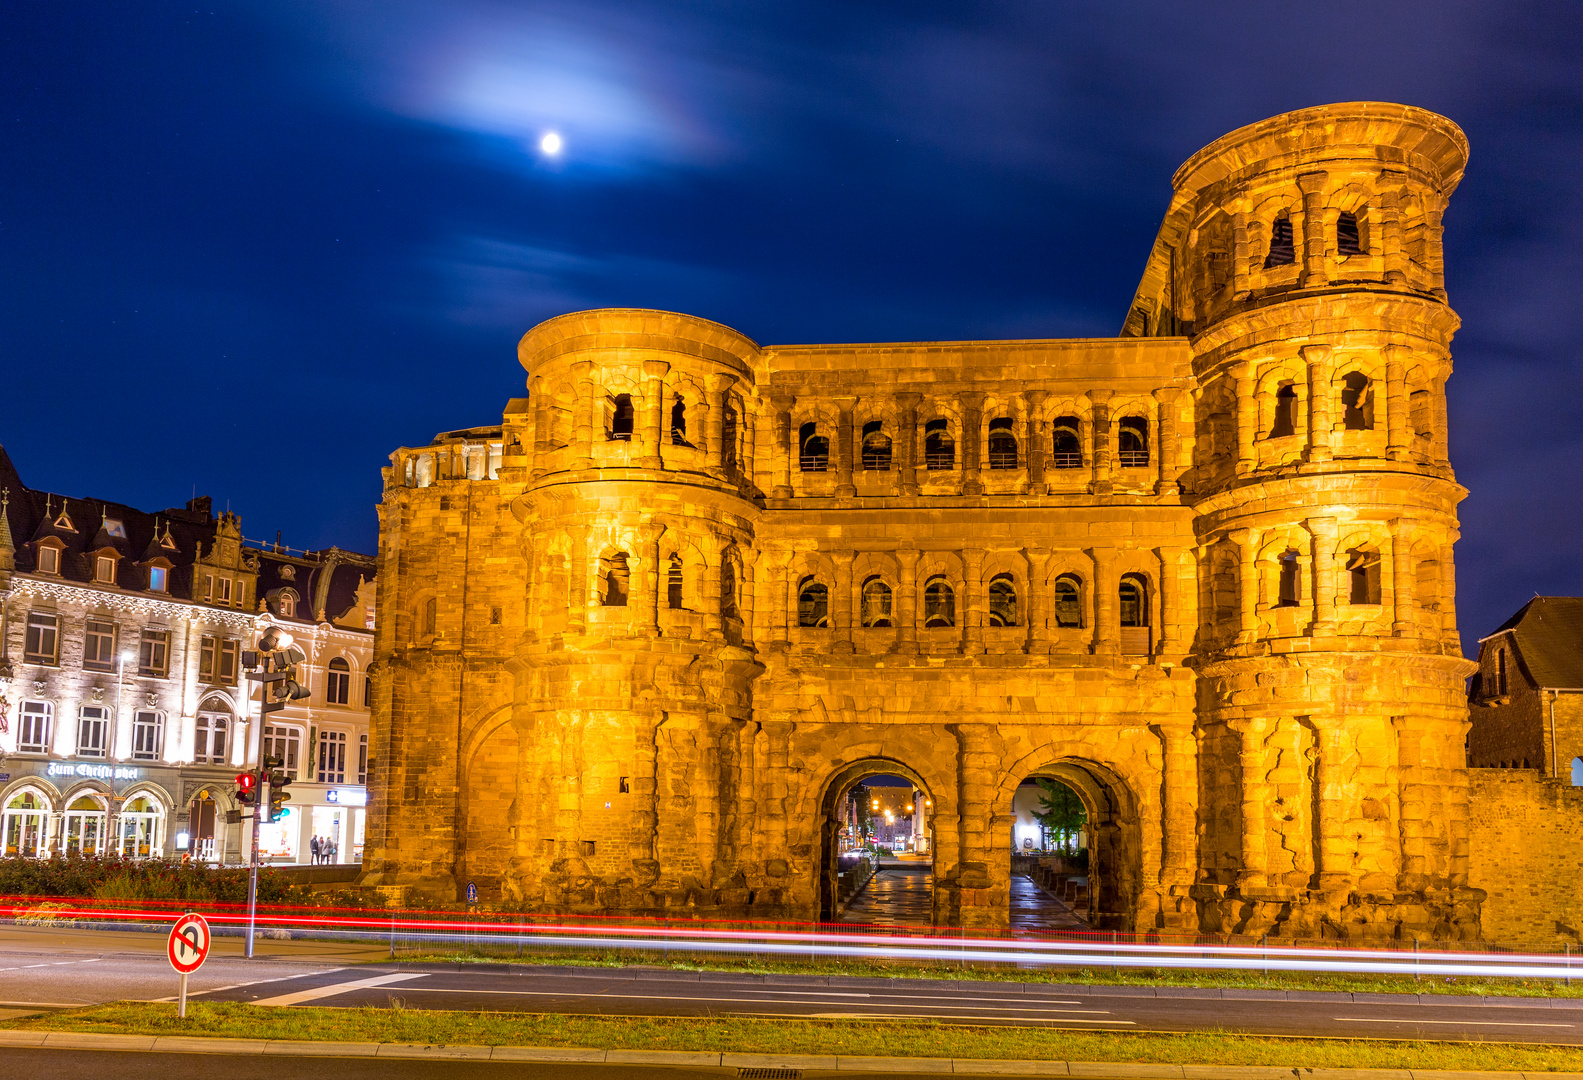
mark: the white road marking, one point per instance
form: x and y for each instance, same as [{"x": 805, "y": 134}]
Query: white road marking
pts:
[
  {"x": 672, "y": 997},
  {"x": 926, "y": 997},
  {"x": 339, "y": 988},
  {"x": 1458, "y": 1023},
  {"x": 970, "y": 1017}
]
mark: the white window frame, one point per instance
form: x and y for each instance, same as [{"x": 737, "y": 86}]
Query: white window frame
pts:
[
  {"x": 48, "y": 553},
  {"x": 330, "y": 764},
  {"x": 206, "y": 727},
  {"x": 133, "y": 825},
  {"x": 158, "y": 578},
  {"x": 39, "y": 824},
  {"x": 142, "y": 721},
  {"x": 93, "y": 719},
  {"x": 104, "y": 570},
  {"x": 42, "y": 716},
  {"x": 285, "y": 742},
  {"x": 77, "y": 820},
  {"x": 51, "y": 628},
  {"x": 338, "y": 682}
]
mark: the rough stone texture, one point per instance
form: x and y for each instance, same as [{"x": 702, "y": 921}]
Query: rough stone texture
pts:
[
  {"x": 1267, "y": 750},
  {"x": 1526, "y": 833}
]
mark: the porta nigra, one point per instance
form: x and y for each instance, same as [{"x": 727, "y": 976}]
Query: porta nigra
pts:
[{"x": 637, "y": 639}]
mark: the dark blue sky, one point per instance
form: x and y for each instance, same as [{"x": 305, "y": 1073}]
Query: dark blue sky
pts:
[{"x": 248, "y": 249}]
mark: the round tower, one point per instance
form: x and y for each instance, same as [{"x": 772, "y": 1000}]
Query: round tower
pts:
[{"x": 1306, "y": 270}]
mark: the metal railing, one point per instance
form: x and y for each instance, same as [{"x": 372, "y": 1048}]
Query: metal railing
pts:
[
  {"x": 1132, "y": 459},
  {"x": 1066, "y": 459}
]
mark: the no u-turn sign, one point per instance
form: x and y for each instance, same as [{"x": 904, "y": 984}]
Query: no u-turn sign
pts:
[{"x": 186, "y": 950}]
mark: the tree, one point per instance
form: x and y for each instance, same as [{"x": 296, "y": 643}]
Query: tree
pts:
[
  {"x": 1060, "y": 812},
  {"x": 862, "y": 816}
]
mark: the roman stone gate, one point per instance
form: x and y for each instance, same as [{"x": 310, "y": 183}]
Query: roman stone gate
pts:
[{"x": 636, "y": 638}]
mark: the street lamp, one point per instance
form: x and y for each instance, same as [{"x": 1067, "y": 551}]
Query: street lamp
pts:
[{"x": 120, "y": 677}]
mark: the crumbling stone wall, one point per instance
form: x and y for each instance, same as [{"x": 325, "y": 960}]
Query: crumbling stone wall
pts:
[{"x": 1526, "y": 835}]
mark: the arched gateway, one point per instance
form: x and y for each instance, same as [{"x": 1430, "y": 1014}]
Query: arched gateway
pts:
[{"x": 634, "y": 636}]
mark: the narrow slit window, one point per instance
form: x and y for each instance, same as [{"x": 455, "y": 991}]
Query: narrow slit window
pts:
[
  {"x": 1288, "y": 587},
  {"x": 1349, "y": 235},
  {"x": 621, "y": 418},
  {"x": 1285, "y": 424},
  {"x": 1363, "y": 570},
  {"x": 1357, "y": 402},
  {"x": 673, "y": 584},
  {"x": 617, "y": 579},
  {"x": 1132, "y": 442},
  {"x": 1134, "y": 602},
  {"x": 679, "y": 423}
]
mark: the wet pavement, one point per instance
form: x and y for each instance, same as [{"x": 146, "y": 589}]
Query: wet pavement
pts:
[
  {"x": 902, "y": 894},
  {"x": 1034, "y": 909}
]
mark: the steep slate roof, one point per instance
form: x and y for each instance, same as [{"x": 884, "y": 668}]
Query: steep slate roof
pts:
[{"x": 1549, "y": 634}]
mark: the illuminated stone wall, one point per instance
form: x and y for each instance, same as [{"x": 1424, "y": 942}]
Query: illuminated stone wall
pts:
[
  {"x": 1255, "y": 686},
  {"x": 1526, "y": 832}
]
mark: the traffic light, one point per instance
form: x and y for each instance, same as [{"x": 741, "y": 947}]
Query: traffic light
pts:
[
  {"x": 246, "y": 788},
  {"x": 276, "y": 778},
  {"x": 274, "y": 664}
]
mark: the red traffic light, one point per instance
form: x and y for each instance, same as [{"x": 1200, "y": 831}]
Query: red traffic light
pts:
[{"x": 246, "y": 781}]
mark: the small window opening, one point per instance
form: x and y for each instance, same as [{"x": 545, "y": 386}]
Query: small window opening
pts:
[
  {"x": 1357, "y": 400},
  {"x": 728, "y": 589},
  {"x": 673, "y": 584},
  {"x": 1132, "y": 442},
  {"x": 589, "y": 847},
  {"x": 939, "y": 449},
  {"x": 939, "y": 603},
  {"x": 728, "y": 438},
  {"x": 679, "y": 423},
  {"x": 1285, "y": 424},
  {"x": 1418, "y": 407},
  {"x": 1577, "y": 772},
  {"x": 621, "y": 419},
  {"x": 1363, "y": 569},
  {"x": 617, "y": 577},
  {"x": 1282, "y": 251},
  {"x": 1500, "y": 673},
  {"x": 814, "y": 448},
  {"x": 1349, "y": 237},
  {"x": 876, "y": 447},
  {"x": 625, "y": 786},
  {"x": 1134, "y": 603},
  {"x": 1002, "y": 601},
  {"x": 1288, "y": 594},
  {"x": 876, "y": 603},
  {"x": 1066, "y": 446},
  {"x": 431, "y": 608},
  {"x": 1002, "y": 444},
  {"x": 813, "y": 604},
  {"x": 1068, "y": 602}
]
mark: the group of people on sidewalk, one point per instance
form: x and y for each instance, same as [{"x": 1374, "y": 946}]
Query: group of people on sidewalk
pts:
[{"x": 322, "y": 849}]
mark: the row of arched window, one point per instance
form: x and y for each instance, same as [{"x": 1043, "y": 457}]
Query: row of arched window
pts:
[
  {"x": 1350, "y": 239},
  {"x": 876, "y": 602},
  {"x": 1003, "y": 448},
  {"x": 1357, "y": 406}
]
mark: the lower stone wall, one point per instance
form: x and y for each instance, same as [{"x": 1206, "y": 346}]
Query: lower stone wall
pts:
[{"x": 1526, "y": 852}]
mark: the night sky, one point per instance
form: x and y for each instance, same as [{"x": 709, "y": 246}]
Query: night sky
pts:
[{"x": 248, "y": 249}]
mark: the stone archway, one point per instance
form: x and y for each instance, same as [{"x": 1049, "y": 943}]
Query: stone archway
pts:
[{"x": 835, "y": 789}]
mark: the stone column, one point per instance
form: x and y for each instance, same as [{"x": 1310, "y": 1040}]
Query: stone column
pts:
[
  {"x": 1240, "y": 249},
  {"x": 1323, "y": 530},
  {"x": 1450, "y": 639},
  {"x": 1247, "y": 407},
  {"x": 1033, "y": 446},
  {"x": 719, "y": 389},
  {"x": 1312, "y": 186},
  {"x": 1099, "y": 453},
  {"x": 1170, "y": 615},
  {"x": 777, "y": 609},
  {"x": 1399, "y": 438},
  {"x": 972, "y": 442},
  {"x": 654, "y": 580},
  {"x": 777, "y": 786},
  {"x": 1439, "y": 451},
  {"x": 651, "y": 451},
  {"x": 1038, "y": 600},
  {"x": 1320, "y": 377},
  {"x": 845, "y": 449},
  {"x": 578, "y": 581},
  {"x": 841, "y": 603},
  {"x": 793, "y": 595},
  {"x": 1247, "y": 541},
  {"x": 747, "y": 593},
  {"x": 907, "y": 601},
  {"x": 1107, "y": 630},
  {"x": 1389, "y": 188},
  {"x": 748, "y": 466},
  {"x": 712, "y": 545},
  {"x": 907, "y": 442},
  {"x": 1179, "y": 827},
  {"x": 583, "y": 414},
  {"x": 980, "y": 764},
  {"x": 973, "y": 601},
  {"x": 785, "y": 445},
  {"x": 1166, "y": 444},
  {"x": 1434, "y": 246},
  {"x": 1413, "y": 829},
  {"x": 1250, "y": 758},
  {"x": 1336, "y": 804},
  {"x": 1403, "y": 622}
]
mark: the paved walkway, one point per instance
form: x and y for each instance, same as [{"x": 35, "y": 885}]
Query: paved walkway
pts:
[
  {"x": 902, "y": 894},
  {"x": 1034, "y": 909}
]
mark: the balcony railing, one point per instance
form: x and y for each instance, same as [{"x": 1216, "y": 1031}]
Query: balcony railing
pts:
[
  {"x": 815, "y": 462},
  {"x": 1066, "y": 459},
  {"x": 1132, "y": 459}
]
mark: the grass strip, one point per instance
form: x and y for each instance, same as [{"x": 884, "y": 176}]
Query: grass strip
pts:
[
  {"x": 890, "y": 1038},
  {"x": 1088, "y": 976}
]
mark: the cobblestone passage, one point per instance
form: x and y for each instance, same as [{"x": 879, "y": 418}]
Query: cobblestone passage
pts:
[
  {"x": 1034, "y": 909},
  {"x": 900, "y": 894}
]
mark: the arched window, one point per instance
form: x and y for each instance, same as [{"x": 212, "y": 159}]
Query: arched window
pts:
[
  {"x": 1285, "y": 412},
  {"x": 1349, "y": 235},
  {"x": 84, "y": 826},
  {"x": 728, "y": 589},
  {"x": 1134, "y": 597},
  {"x": 1282, "y": 251},
  {"x": 939, "y": 603},
  {"x": 431, "y": 614},
  {"x": 1500, "y": 673},
  {"x": 615, "y": 577},
  {"x": 141, "y": 823},
  {"x": 1577, "y": 772},
  {"x": 1068, "y": 601},
  {"x": 1002, "y": 444},
  {"x": 679, "y": 423},
  {"x": 1132, "y": 440},
  {"x": 673, "y": 584},
  {"x": 728, "y": 438},
  {"x": 1363, "y": 570},
  {"x": 1002, "y": 600},
  {"x": 287, "y": 603},
  {"x": 210, "y": 735},
  {"x": 1067, "y": 444},
  {"x": 813, "y": 448},
  {"x": 939, "y": 449},
  {"x": 338, "y": 682},
  {"x": 813, "y": 604},
  {"x": 876, "y": 602},
  {"x": 876, "y": 447},
  {"x": 620, "y": 418},
  {"x": 24, "y": 825},
  {"x": 1289, "y": 589},
  {"x": 1357, "y": 402}
]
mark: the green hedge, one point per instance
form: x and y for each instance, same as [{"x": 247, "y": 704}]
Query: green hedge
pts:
[{"x": 111, "y": 877}]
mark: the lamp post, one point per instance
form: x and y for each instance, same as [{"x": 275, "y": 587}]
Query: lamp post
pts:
[{"x": 120, "y": 677}]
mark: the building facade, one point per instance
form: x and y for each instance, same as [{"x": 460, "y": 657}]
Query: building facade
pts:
[
  {"x": 639, "y": 639},
  {"x": 1527, "y": 697},
  {"x": 123, "y": 716}
]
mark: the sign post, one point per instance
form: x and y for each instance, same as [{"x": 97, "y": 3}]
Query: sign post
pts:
[{"x": 186, "y": 950}]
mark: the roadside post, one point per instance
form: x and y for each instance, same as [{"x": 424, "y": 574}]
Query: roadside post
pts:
[{"x": 187, "y": 949}]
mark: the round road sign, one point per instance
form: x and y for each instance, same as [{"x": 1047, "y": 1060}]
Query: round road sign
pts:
[{"x": 188, "y": 946}]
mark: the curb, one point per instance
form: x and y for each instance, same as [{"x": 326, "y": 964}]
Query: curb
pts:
[{"x": 564, "y": 1055}]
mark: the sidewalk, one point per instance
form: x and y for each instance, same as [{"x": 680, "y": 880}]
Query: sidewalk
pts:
[{"x": 1096, "y": 1070}]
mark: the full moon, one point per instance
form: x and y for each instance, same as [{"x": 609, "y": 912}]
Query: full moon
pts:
[{"x": 550, "y": 144}]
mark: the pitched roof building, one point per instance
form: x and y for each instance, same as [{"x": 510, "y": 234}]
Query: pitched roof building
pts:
[{"x": 1527, "y": 697}]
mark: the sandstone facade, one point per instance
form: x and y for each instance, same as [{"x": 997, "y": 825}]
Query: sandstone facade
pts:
[{"x": 637, "y": 640}]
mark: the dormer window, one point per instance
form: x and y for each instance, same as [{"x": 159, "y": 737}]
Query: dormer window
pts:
[
  {"x": 48, "y": 559},
  {"x": 115, "y": 527},
  {"x": 288, "y": 604},
  {"x": 158, "y": 578},
  {"x": 104, "y": 570}
]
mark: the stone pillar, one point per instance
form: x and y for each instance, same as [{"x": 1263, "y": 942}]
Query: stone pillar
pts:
[
  {"x": 748, "y": 466},
  {"x": 1312, "y": 186},
  {"x": 651, "y": 451},
  {"x": 785, "y": 446},
  {"x": 1107, "y": 628},
  {"x": 907, "y": 601},
  {"x": 980, "y": 766},
  {"x": 747, "y": 592},
  {"x": 907, "y": 442},
  {"x": 1414, "y": 829},
  {"x": 973, "y": 601},
  {"x": 1389, "y": 188},
  {"x": 719, "y": 389},
  {"x": 1038, "y": 600},
  {"x": 777, "y": 808},
  {"x": 1403, "y": 622},
  {"x": 583, "y": 414},
  {"x": 1434, "y": 244},
  {"x": 1439, "y": 447},
  {"x": 1398, "y": 437},
  {"x": 1166, "y": 448},
  {"x": 793, "y": 595},
  {"x": 1032, "y": 445},
  {"x": 1250, "y": 758},
  {"x": 1170, "y": 614},
  {"x": 1335, "y": 804},
  {"x": 1099, "y": 453},
  {"x": 1450, "y": 638},
  {"x": 841, "y": 603},
  {"x": 1179, "y": 824},
  {"x": 845, "y": 448},
  {"x": 1247, "y": 406},
  {"x": 1323, "y": 530},
  {"x": 577, "y": 582},
  {"x": 972, "y": 442},
  {"x": 1240, "y": 249},
  {"x": 1320, "y": 376},
  {"x": 1247, "y": 541},
  {"x": 654, "y": 580},
  {"x": 777, "y": 609}
]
